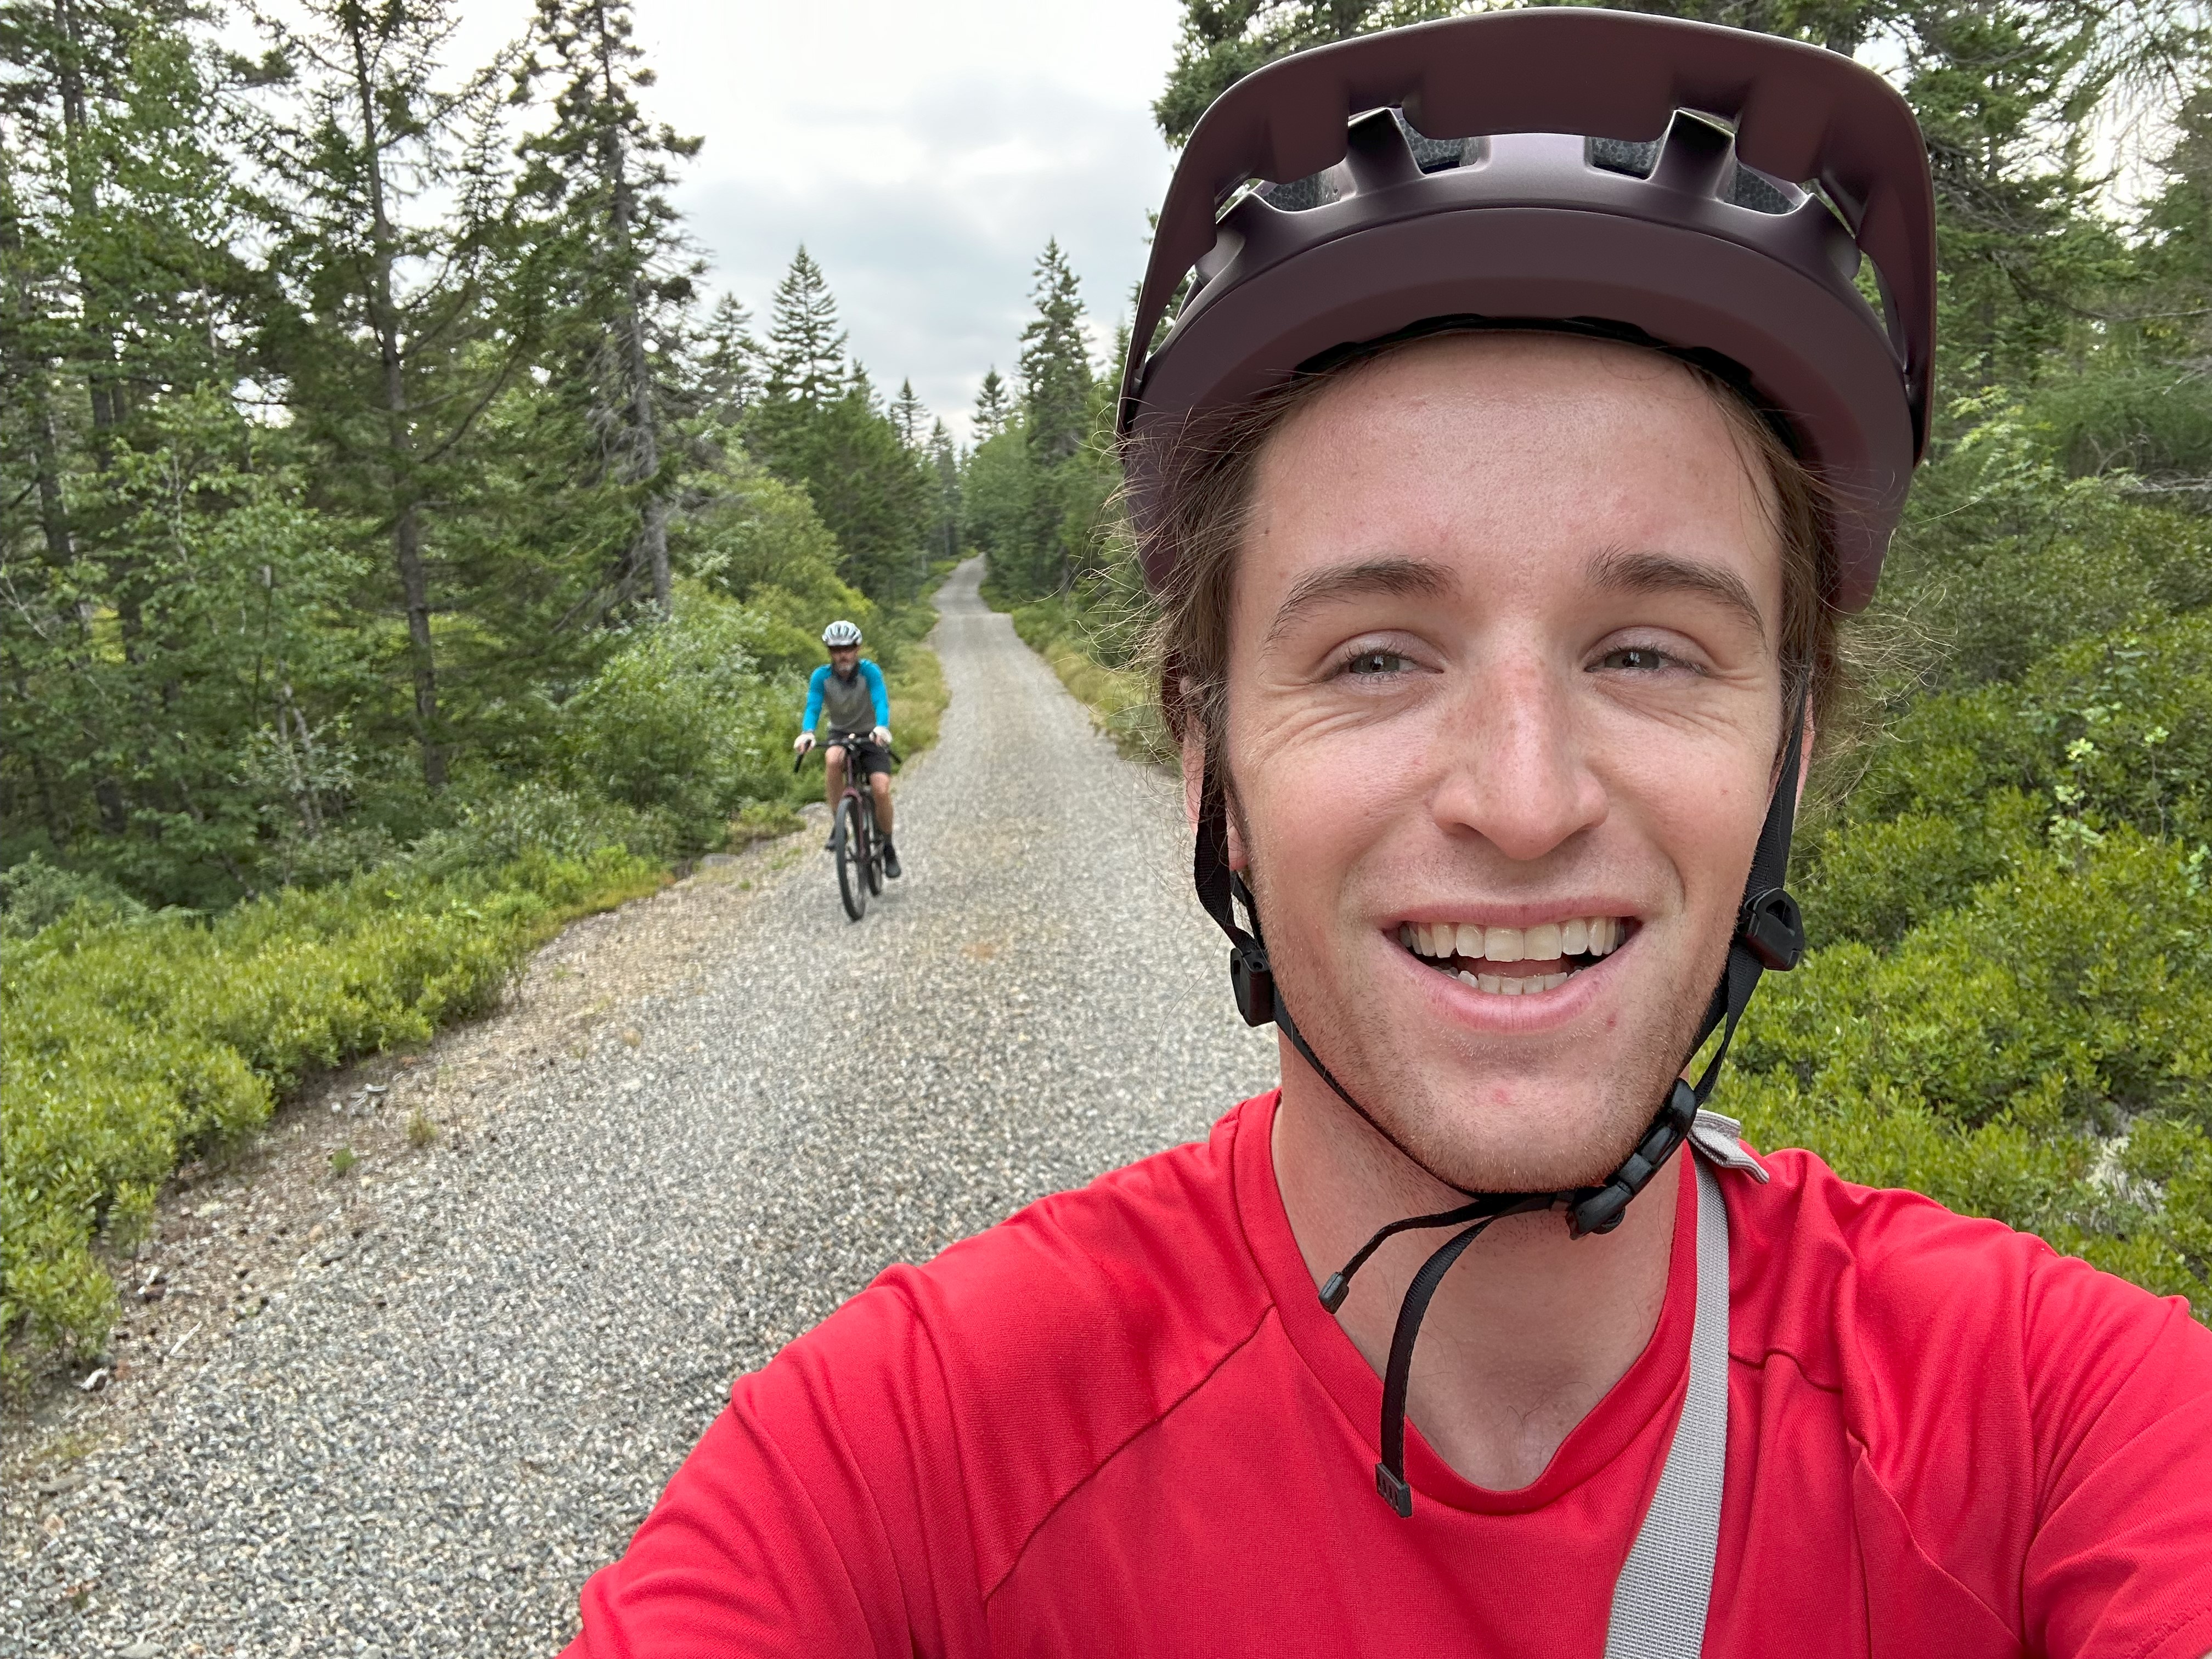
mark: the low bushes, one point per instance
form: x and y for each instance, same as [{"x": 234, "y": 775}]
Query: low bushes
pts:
[
  {"x": 2009, "y": 1003},
  {"x": 133, "y": 1037},
  {"x": 128, "y": 1042},
  {"x": 918, "y": 696},
  {"x": 2041, "y": 1053}
]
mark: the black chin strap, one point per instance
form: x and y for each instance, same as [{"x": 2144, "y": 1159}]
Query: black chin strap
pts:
[{"x": 1769, "y": 934}]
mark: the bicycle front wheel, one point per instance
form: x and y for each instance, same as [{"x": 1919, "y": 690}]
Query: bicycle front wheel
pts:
[
  {"x": 875, "y": 852},
  {"x": 853, "y": 856}
]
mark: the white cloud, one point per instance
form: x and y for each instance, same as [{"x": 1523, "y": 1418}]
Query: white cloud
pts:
[{"x": 923, "y": 152}]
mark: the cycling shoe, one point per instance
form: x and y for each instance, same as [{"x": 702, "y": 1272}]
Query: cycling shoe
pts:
[{"x": 890, "y": 861}]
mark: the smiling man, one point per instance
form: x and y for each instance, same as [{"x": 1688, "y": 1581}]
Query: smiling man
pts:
[{"x": 1501, "y": 493}]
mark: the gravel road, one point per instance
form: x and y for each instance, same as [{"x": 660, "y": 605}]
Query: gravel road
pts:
[{"x": 427, "y": 1443}]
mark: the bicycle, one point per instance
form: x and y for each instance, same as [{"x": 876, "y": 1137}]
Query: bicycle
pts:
[{"x": 853, "y": 835}]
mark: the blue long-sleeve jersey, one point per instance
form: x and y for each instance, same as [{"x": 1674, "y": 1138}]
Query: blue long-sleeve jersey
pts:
[{"x": 847, "y": 710}]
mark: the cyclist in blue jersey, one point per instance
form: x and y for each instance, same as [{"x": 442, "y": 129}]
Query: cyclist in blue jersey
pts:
[{"x": 851, "y": 693}]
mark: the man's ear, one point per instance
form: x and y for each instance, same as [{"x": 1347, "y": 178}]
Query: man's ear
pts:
[
  {"x": 1194, "y": 770},
  {"x": 1194, "y": 784}
]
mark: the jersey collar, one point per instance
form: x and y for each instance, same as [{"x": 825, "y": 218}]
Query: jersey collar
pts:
[{"x": 1609, "y": 1443}]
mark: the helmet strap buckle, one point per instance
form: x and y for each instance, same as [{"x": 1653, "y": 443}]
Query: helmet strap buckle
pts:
[{"x": 1253, "y": 983}]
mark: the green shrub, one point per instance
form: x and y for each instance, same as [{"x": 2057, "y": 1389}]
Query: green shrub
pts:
[
  {"x": 2140, "y": 699},
  {"x": 35, "y": 893},
  {"x": 2042, "y": 1054},
  {"x": 2004, "y": 558},
  {"x": 1874, "y": 882},
  {"x": 127, "y": 1042},
  {"x": 678, "y": 721},
  {"x": 763, "y": 544},
  {"x": 2106, "y": 733}
]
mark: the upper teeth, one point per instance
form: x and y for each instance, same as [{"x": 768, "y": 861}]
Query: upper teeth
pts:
[{"x": 1595, "y": 936}]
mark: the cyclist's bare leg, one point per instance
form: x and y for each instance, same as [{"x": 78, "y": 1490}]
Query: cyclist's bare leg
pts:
[
  {"x": 833, "y": 764},
  {"x": 880, "y": 787}
]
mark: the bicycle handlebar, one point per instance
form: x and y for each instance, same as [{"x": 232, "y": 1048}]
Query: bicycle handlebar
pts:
[{"x": 799, "y": 759}]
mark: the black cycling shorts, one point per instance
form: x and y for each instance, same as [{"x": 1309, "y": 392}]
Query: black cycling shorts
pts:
[{"x": 863, "y": 758}]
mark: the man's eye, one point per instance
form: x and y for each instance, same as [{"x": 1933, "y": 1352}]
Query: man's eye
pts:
[
  {"x": 1377, "y": 662},
  {"x": 1637, "y": 659}
]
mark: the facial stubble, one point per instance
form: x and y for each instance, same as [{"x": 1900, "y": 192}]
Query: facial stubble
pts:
[{"x": 1439, "y": 1123}]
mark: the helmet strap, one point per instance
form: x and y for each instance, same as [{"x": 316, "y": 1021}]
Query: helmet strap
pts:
[{"x": 1770, "y": 933}]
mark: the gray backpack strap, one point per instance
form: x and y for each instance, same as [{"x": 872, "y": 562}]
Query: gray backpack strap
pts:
[{"x": 1659, "y": 1604}]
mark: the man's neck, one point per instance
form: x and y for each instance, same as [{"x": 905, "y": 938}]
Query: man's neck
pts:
[{"x": 1527, "y": 1333}]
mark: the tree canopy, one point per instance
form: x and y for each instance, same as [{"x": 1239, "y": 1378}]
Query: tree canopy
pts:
[{"x": 358, "y": 409}]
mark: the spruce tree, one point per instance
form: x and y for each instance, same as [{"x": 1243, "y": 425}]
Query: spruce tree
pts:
[
  {"x": 394, "y": 349},
  {"x": 908, "y": 415},
  {"x": 994, "y": 406},
  {"x": 729, "y": 363},
  {"x": 1055, "y": 362},
  {"x": 944, "y": 461},
  {"x": 605, "y": 170},
  {"x": 803, "y": 371},
  {"x": 819, "y": 422},
  {"x": 806, "y": 361},
  {"x": 119, "y": 286}
]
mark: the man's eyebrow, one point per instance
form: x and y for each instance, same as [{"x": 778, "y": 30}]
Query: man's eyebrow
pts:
[
  {"x": 1401, "y": 577},
  {"x": 1623, "y": 571}
]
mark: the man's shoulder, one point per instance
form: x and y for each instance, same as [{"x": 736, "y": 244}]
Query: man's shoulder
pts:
[
  {"x": 1883, "y": 1293},
  {"x": 1143, "y": 1264},
  {"x": 821, "y": 673},
  {"x": 1071, "y": 1326}
]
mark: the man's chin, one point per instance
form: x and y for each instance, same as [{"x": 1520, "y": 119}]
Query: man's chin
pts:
[{"x": 1532, "y": 1142}]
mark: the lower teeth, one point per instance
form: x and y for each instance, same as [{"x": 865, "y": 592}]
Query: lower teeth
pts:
[{"x": 1515, "y": 985}]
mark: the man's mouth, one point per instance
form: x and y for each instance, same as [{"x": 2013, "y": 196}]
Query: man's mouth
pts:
[{"x": 1515, "y": 961}]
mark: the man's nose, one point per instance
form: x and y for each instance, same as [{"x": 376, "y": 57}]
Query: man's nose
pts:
[{"x": 1510, "y": 761}]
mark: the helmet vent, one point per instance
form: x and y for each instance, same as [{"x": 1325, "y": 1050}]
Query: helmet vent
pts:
[
  {"x": 1747, "y": 187},
  {"x": 1320, "y": 188},
  {"x": 1440, "y": 155},
  {"x": 1301, "y": 195},
  {"x": 1623, "y": 156}
]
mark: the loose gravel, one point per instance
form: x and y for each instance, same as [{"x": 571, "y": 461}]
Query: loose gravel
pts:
[{"x": 458, "y": 1408}]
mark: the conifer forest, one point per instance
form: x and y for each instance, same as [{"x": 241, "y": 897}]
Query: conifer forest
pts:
[{"x": 401, "y": 551}]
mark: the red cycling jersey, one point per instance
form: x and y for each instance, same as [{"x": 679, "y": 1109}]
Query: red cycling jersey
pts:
[{"x": 1120, "y": 1422}]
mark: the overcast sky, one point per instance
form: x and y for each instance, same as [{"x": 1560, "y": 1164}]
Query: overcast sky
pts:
[{"x": 923, "y": 151}]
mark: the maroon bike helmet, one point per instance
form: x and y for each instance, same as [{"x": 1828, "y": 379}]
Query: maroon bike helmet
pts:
[{"x": 1706, "y": 188}]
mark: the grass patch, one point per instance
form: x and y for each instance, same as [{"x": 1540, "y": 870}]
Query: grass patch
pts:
[
  {"x": 130, "y": 1043},
  {"x": 918, "y": 699},
  {"x": 1120, "y": 698},
  {"x": 762, "y": 820},
  {"x": 421, "y": 1132}
]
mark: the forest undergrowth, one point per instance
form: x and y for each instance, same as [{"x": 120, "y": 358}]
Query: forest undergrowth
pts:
[{"x": 134, "y": 1037}]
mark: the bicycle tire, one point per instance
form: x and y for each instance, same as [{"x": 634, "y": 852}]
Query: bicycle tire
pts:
[
  {"x": 852, "y": 860},
  {"x": 875, "y": 863}
]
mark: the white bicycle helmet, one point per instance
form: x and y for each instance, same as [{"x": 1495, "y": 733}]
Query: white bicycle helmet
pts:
[{"x": 840, "y": 633}]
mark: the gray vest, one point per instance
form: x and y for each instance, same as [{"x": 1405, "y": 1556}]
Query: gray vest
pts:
[{"x": 847, "y": 704}]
